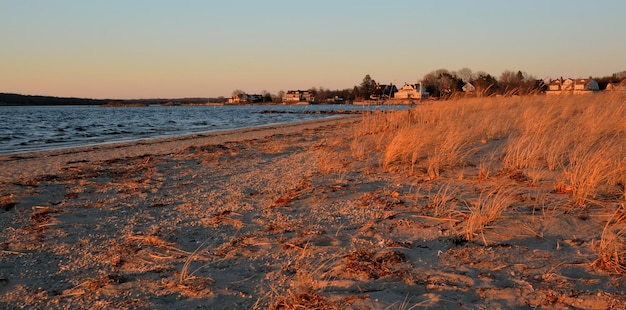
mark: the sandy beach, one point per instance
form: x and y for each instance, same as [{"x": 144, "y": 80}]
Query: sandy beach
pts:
[{"x": 283, "y": 217}]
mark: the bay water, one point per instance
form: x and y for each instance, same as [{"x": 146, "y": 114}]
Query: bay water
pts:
[{"x": 35, "y": 128}]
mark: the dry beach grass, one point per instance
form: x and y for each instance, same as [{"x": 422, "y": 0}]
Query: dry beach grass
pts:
[{"x": 472, "y": 203}]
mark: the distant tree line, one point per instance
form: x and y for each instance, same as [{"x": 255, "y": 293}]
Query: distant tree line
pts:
[
  {"x": 444, "y": 84},
  {"x": 440, "y": 83},
  {"x": 614, "y": 78},
  {"x": 367, "y": 88},
  {"x": 7, "y": 99},
  {"x": 17, "y": 100}
]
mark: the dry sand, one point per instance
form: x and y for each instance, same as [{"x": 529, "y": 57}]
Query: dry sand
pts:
[{"x": 277, "y": 217}]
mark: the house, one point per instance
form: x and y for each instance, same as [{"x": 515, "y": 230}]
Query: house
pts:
[
  {"x": 245, "y": 98},
  {"x": 411, "y": 91},
  {"x": 567, "y": 84},
  {"x": 469, "y": 88},
  {"x": 616, "y": 86},
  {"x": 255, "y": 98},
  {"x": 572, "y": 86},
  {"x": 298, "y": 96},
  {"x": 384, "y": 91},
  {"x": 238, "y": 98},
  {"x": 582, "y": 86},
  {"x": 554, "y": 86},
  {"x": 560, "y": 84},
  {"x": 335, "y": 100}
]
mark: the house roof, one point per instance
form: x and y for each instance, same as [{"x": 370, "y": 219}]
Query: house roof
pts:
[
  {"x": 408, "y": 87},
  {"x": 568, "y": 81},
  {"x": 583, "y": 81},
  {"x": 386, "y": 86}
]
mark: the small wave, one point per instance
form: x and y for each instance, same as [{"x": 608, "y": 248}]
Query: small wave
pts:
[{"x": 51, "y": 141}]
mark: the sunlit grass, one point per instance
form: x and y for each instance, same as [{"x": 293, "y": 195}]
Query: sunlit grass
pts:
[{"x": 580, "y": 138}]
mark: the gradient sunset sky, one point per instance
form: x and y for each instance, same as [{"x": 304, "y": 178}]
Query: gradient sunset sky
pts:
[{"x": 175, "y": 49}]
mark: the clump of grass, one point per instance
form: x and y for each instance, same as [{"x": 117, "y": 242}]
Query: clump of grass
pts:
[
  {"x": 611, "y": 248},
  {"x": 484, "y": 169},
  {"x": 369, "y": 136},
  {"x": 524, "y": 151},
  {"x": 442, "y": 202},
  {"x": 307, "y": 281},
  {"x": 452, "y": 150},
  {"x": 329, "y": 160},
  {"x": 489, "y": 207},
  {"x": 185, "y": 274},
  {"x": 587, "y": 170},
  {"x": 407, "y": 147}
]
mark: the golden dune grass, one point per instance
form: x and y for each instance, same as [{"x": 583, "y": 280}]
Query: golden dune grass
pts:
[
  {"x": 581, "y": 138},
  {"x": 611, "y": 247},
  {"x": 576, "y": 143}
]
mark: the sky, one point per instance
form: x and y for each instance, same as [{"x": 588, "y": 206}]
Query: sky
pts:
[{"x": 181, "y": 49}]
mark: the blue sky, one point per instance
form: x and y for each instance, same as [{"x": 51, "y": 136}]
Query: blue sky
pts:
[{"x": 172, "y": 49}]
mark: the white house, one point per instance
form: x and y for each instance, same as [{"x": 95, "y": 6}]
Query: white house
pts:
[
  {"x": 411, "y": 91},
  {"x": 298, "y": 96},
  {"x": 555, "y": 86}
]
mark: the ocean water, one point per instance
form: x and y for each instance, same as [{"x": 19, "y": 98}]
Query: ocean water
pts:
[{"x": 37, "y": 128}]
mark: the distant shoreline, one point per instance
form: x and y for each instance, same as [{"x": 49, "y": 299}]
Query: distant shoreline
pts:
[{"x": 10, "y": 99}]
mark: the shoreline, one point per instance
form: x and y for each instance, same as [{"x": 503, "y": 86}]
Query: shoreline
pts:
[
  {"x": 44, "y": 162},
  {"x": 126, "y": 125}
]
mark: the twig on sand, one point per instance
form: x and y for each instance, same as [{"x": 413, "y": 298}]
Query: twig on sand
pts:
[
  {"x": 436, "y": 218},
  {"x": 13, "y": 252}
]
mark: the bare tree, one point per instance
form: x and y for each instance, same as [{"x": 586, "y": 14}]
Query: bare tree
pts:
[
  {"x": 237, "y": 92},
  {"x": 267, "y": 97},
  {"x": 322, "y": 94},
  {"x": 279, "y": 96},
  {"x": 516, "y": 83},
  {"x": 442, "y": 83},
  {"x": 465, "y": 74}
]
